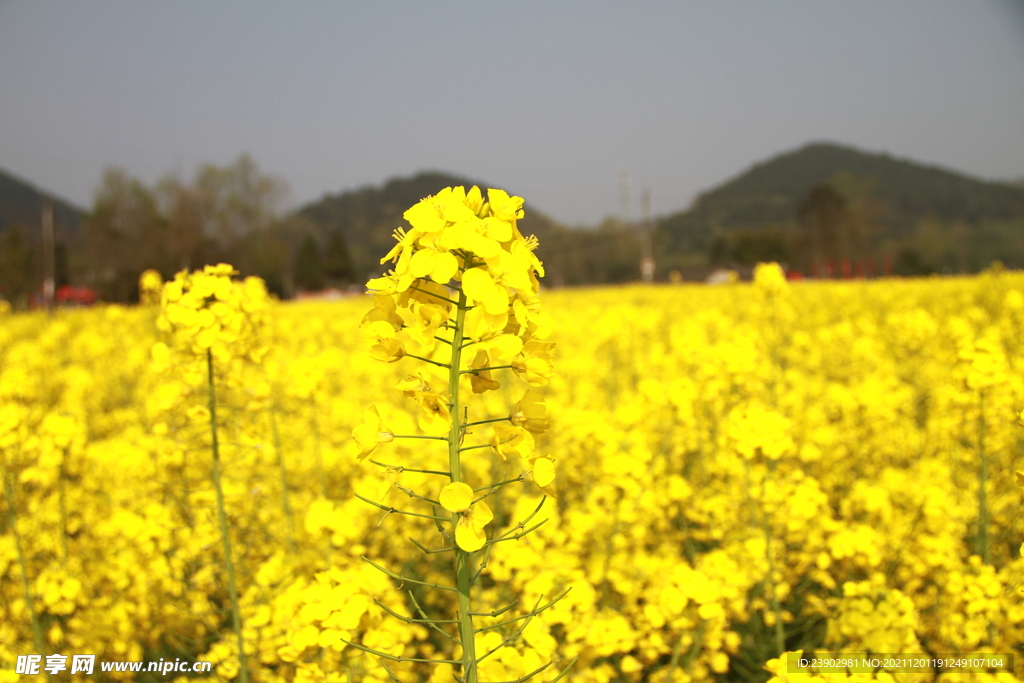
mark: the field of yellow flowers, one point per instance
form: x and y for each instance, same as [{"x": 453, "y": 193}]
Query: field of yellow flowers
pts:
[{"x": 739, "y": 471}]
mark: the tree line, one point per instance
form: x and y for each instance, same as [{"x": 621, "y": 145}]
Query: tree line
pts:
[
  {"x": 848, "y": 224},
  {"x": 230, "y": 214}
]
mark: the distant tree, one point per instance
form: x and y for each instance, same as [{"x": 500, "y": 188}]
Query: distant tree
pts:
[
  {"x": 909, "y": 263},
  {"x": 760, "y": 246},
  {"x": 236, "y": 199},
  {"x": 748, "y": 247},
  {"x": 721, "y": 250},
  {"x": 822, "y": 213},
  {"x": 609, "y": 254},
  {"x": 266, "y": 253},
  {"x": 61, "y": 268},
  {"x": 337, "y": 262},
  {"x": 180, "y": 206},
  {"x": 123, "y": 236},
  {"x": 866, "y": 214},
  {"x": 225, "y": 214},
  {"x": 309, "y": 266},
  {"x": 16, "y": 259},
  {"x": 211, "y": 216}
]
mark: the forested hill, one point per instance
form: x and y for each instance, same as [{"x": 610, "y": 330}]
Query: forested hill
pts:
[
  {"x": 21, "y": 206},
  {"x": 367, "y": 217},
  {"x": 904, "y": 192}
]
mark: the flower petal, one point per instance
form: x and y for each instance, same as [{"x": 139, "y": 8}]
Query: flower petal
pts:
[
  {"x": 456, "y": 497},
  {"x": 468, "y": 537}
]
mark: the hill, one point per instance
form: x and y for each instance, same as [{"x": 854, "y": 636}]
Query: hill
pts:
[
  {"x": 367, "y": 217},
  {"x": 902, "y": 193},
  {"x": 21, "y": 206},
  {"x": 21, "y": 236}
]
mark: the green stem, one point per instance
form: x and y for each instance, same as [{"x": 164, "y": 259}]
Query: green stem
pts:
[
  {"x": 474, "y": 371},
  {"x": 500, "y": 483},
  {"x": 37, "y": 631},
  {"x": 62, "y": 493},
  {"x": 348, "y": 668},
  {"x": 695, "y": 647},
  {"x": 674, "y": 661},
  {"x": 983, "y": 496},
  {"x": 463, "y": 571},
  {"x": 321, "y": 474},
  {"x": 437, "y": 296},
  {"x": 982, "y": 480},
  {"x": 411, "y": 469},
  {"x": 404, "y": 579},
  {"x": 609, "y": 548},
  {"x": 412, "y": 494},
  {"x": 285, "y": 503},
  {"x": 483, "y": 422},
  {"x": 229, "y": 567},
  {"x": 780, "y": 633},
  {"x": 766, "y": 529},
  {"x": 427, "y": 360},
  {"x": 393, "y": 510}
]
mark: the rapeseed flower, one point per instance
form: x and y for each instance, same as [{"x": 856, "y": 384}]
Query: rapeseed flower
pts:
[
  {"x": 469, "y": 533},
  {"x": 456, "y": 497},
  {"x": 208, "y": 311},
  {"x": 150, "y": 285},
  {"x": 371, "y": 433},
  {"x": 531, "y": 413},
  {"x": 464, "y": 277}
]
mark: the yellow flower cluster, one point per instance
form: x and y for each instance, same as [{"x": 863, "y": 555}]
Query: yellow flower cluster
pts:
[
  {"x": 151, "y": 286},
  {"x": 873, "y": 618},
  {"x": 464, "y": 278},
  {"x": 457, "y": 236},
  {"x": 207, "y": 311}
]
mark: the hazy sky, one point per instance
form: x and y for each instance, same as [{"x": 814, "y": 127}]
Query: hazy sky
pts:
[{"x": 550, "y": 100}]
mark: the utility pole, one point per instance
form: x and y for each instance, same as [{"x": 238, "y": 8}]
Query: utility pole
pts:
[
  {"x": 646, "y": 252},
  {"x": 48, "y": 254}
]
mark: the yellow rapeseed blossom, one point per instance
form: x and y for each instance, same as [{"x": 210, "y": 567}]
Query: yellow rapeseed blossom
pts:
[
  {"x": 150, "y": 286},
  {"x": 371, "y": 432},
  {"x": 531, "y": 413},
  {"x": 469, "y": 533},
  {"x": 463, "y": 297},
  {"x": 209, "y": 311},
  {"x": 456, "y": 497}
]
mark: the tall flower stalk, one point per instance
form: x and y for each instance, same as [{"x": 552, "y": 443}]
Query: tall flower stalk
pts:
[
  {"x": 463, "y": 568},
  {"x": 463, "y": 298},
  {"x": 282, "y": 469},
  {"x": 984, "y": 364},
  {"x": 6, "y": 424},
  {"x": 213, "y": 319},
  {"x": 222, "y": 519}
]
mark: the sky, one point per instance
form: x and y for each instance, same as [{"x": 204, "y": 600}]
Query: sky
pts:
[{"x": 549, "y": 100}]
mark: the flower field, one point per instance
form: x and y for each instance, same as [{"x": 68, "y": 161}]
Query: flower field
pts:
[{"x": 739, "y": 471}]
